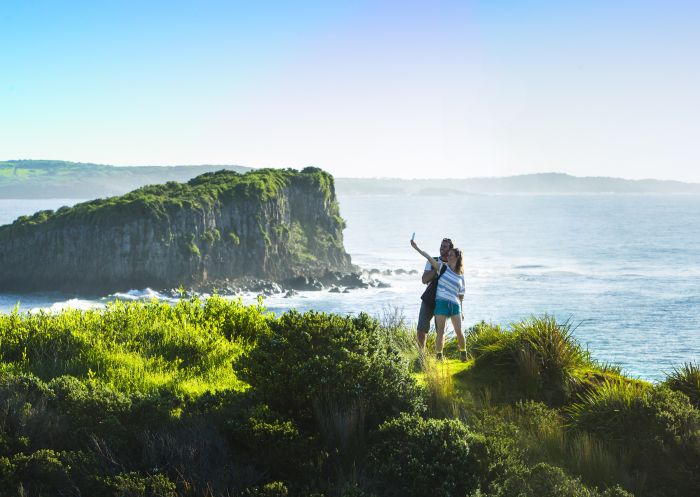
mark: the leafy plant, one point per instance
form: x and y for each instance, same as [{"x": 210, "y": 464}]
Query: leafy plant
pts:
[{"x": 686, "y": 379}]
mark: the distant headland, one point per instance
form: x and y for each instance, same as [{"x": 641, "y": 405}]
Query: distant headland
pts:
[{"x": 61, "y": 179}]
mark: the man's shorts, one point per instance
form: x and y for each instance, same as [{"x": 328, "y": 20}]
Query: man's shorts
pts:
[
  {"x": 446, "y": 308},
  {"x": 424, "y": 318}
]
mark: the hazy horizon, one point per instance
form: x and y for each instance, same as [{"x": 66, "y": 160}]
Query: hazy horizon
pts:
[
  {"x": 370, "y": 89},
  {"x": 367, "y": 177}
]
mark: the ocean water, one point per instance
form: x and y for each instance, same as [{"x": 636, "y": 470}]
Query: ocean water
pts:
[{"x": 624, "y": 269}]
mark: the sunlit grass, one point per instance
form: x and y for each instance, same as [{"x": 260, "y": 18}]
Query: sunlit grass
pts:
[{"x": 134, "y": 347}]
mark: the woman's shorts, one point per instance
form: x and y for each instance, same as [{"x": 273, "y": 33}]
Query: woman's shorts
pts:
[{"x": 446, "y": 308}]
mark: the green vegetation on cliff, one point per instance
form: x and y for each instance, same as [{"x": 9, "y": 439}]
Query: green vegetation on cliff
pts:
[
  {"x": 162, "y": 200},
  {"x": 213, "y": 398}
]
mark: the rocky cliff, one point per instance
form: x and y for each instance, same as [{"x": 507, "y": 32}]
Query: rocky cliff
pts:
[{"x": 271, "y": 224}]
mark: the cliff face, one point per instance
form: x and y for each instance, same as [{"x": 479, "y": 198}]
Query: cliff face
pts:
[{"x": 270, "y": 224}]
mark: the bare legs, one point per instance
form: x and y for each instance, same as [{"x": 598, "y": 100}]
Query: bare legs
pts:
[{"x": 440, "y": 332}]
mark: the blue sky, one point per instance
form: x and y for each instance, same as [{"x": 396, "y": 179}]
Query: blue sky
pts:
[{"x": 383, "y": 88}]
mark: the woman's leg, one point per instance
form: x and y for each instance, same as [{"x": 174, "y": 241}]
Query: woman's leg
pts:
[
  {"x": 439, "y": 333},
  {"x": 457, "y": 325}
]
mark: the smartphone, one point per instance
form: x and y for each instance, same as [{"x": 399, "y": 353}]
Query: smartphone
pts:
[{"x": 413, "y": 236}]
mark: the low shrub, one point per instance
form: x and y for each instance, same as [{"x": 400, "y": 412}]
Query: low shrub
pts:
[
  {"x": 543, "y": 480},
  {"x": 134, "y": 484},
  {"x": 40, "y": 473},
  {"x": 314, "y": 366},
  {"x": 287, "y": 454},
  {"x": 412, "y": 456}
]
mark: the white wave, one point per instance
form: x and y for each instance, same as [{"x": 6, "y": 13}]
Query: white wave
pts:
[
  {"x": 80, "y": 304},
  {"x": 145, "y": 294}
]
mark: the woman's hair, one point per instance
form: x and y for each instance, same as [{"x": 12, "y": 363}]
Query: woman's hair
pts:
[{"x": 459, "y": 265}]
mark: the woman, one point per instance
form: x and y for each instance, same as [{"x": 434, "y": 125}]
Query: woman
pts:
[{"x": 448, "y": 302}]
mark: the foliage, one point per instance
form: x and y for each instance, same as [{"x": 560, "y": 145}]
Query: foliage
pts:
[
  {"x": 539, "y": 353},
  {"x": 137, "y": 346},
  {"x": 686, "y": 379},
  {"x": 210, "y": 398},
  {"x": 545, "y": 480},
  {"x": 657, "y": 425},
  {"x": 412, "y": 456},
  {"x": 333, "y": 366}
]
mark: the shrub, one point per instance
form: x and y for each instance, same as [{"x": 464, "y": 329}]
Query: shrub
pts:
[
  {"x": 659, "y": 428},
  {"x": 136, "y": 485},
  {"x": 287, "y": 453},
  {"x": 686, "y": 379},
  {"x": 314, "y": 366},
  {"x": 273, "y": 489},
  {"x": 546, "y": 480},
  {"x": 411, "y": 456},
  {"x": 26, "y": 419},
  {"x": 40, "y": 473},
  {"x": 235, "y": 320}
]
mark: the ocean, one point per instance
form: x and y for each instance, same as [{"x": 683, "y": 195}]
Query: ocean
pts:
[{"x": 623, "y": 269}]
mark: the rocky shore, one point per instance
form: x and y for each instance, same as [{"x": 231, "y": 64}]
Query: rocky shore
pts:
[{"x": 331, "y": 281}]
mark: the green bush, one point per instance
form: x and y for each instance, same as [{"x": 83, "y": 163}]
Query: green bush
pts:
[
  {"x": 324, "y": 369},
  {"x": 287, "y": 454},
  {"x": 41, "y": 473},
  {"x": 273, "y": 489},
  {"x": 137, "y": 485},
  {"x": 686, "y": 379},
  {"x": 412, "y": 456},
  {"x": 545, "y": 480}
]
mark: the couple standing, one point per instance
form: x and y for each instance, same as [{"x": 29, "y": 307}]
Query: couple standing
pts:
[{"x": 448, "y": 269}]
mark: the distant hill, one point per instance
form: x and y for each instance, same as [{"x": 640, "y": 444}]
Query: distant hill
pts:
[
  {"x": 527, "y": 183},
  {"x": 60, "y": 179}
]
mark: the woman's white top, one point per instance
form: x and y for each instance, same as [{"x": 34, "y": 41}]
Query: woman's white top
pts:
[{"x": 450, "y": 286}]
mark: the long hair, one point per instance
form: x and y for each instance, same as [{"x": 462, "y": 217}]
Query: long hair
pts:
[{"x": 459, "y": 265}]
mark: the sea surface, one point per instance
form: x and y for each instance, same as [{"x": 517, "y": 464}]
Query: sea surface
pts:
[{"x": 624, "y": 269}]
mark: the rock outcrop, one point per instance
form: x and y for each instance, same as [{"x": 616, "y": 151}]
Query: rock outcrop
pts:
[{"x": 271, "y": 224}]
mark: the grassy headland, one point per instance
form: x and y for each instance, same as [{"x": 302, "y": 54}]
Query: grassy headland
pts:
[
  {"x": 214, "y": 398},
  {"x": 269, "y": 223}
]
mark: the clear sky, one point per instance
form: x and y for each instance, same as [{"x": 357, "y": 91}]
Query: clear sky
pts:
[{"x": 359, "y": 88}]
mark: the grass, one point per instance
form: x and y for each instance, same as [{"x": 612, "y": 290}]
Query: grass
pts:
[
  {"x": 132, "y": 347},
  {"x": 686, "y": 379}
]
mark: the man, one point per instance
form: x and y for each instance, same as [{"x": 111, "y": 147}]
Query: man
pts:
[{"x": 426, "y": 313}]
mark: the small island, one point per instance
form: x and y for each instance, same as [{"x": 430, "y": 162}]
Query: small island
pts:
[{"x": 277, "y": 225}]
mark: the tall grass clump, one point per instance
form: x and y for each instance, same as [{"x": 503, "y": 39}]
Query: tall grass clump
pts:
[
  {"x": 400, "y": 336},
  {"x": 538, "y": 356},
  {"x": 440, "y": 387},
  {"x": 686, "y": 379},
  {"x": 658, "y": 428}
]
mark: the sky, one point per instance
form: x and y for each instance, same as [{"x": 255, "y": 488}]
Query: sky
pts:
[{"x": 411, "y": 89}]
